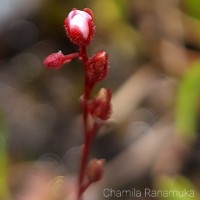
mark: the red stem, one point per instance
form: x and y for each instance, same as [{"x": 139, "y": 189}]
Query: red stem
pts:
[
  {"x": 83, "y": 55},
  {"x": 84, "y": 159},
  {"x": 85, "y": 185},
  {"x": 70, "y": 56},
  {"x": 88, "y": 134}
]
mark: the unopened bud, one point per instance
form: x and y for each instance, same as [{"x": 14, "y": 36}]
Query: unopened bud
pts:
[
  {"x": 95, "y": 170},
  {"x": 101, "y": 105},
  {"x": 79, "y": 26},
  {"x": 54, "y": 60},
  {"x": 97, "y": 67}
]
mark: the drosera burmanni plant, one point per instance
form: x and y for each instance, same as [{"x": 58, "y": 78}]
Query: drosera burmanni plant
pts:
[{"x": 80, "y": 29}]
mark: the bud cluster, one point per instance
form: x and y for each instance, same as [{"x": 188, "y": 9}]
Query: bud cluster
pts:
[{"x": 80, "y": 29}]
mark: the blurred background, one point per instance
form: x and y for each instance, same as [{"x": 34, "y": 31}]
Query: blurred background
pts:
[{"x": 152, "y": 139}]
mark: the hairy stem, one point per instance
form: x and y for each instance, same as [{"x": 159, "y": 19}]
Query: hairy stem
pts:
[{"x": 88, "y": 134}]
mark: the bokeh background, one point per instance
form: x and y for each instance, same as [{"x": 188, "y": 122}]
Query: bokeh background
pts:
[{"x": 152, "y": 139}]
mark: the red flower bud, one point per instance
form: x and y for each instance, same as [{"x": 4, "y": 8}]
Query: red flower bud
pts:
[
  {"x": 95, "y": 170},
  {"x": 97, "y": 67},
  {"x": 56, "y": 60},
  {"x": 79, "y": 26},
  {"x": 101, "y": 107}
]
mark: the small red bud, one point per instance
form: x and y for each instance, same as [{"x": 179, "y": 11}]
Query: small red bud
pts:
[
  {"x": 101, "y": 107},
  {"x": 95, "y": 170},
  {"x": 97, "y": 67},
  {"x": 79, "y": 26},
  {"x": 54, "y": 60}
]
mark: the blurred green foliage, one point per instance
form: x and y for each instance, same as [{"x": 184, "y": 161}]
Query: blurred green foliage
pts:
[
  {"x": 115, "y": 25},
  {"x": 4, "y": 192},
  {"x": 178, "y": 184},
  {"x": 187, "y": 102},
  {"x": 192, "y": 8}
]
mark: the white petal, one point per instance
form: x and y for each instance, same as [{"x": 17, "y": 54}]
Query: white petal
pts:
[
  {"x": 84, "y": 14},
  {"x": 76, "y": 12},
  {"x": 81, "y": 22}
]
